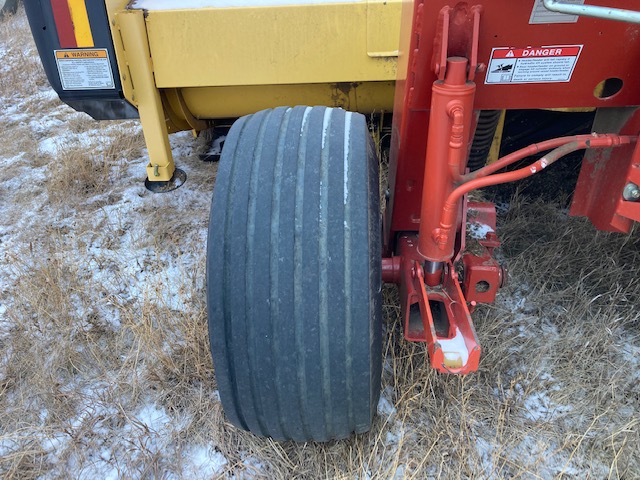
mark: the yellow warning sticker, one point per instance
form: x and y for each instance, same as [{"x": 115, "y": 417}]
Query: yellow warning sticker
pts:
[
  {"x": 81, "y": 54},
  {"x": 84, "y": 69}
]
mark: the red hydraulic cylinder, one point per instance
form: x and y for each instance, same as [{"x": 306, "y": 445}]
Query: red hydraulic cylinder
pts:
[{"x": 447, "y": 151}]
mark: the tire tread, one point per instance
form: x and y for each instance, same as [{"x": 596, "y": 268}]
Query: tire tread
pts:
[{"x": 293, "y": 274}]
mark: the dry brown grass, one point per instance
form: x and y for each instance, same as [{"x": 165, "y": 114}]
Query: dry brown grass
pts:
[
  {"x": 22, "y": 72},
  {"x": 78, "y": 171},
  {"x": 103, "y": 326}
]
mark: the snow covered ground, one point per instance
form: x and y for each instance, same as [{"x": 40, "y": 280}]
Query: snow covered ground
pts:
[{"x": 105, "y": 369}]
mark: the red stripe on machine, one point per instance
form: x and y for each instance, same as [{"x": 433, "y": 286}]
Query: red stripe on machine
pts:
[
  {"x": 537, "y": 52},
  {"x": 64, "y": 24}
]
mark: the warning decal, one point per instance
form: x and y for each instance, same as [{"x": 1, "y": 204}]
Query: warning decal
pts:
[
  {"x": 548, "y": 64},
  {"x": 84, "y": 69}
]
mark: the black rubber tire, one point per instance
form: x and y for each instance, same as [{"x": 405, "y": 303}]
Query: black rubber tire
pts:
[
  {"x": 8, "y": 6},
  {"x": 294, "y": 274}
]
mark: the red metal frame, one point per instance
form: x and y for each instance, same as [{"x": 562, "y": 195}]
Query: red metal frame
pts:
[
  {"x": 501, "y": 24},
  {"x": 603, "y": 175},
  {"x": 445, "y": 48}
]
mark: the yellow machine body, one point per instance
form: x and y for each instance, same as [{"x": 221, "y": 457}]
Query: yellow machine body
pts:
[{"x": 184, "y": 67}]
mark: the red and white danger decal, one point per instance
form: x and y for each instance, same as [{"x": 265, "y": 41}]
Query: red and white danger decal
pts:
[{"x": 547, "y": 64}]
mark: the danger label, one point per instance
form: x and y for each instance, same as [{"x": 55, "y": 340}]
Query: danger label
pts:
[
  {"x": 548, "y": 64},
  {"x": 84, "y": 69}
]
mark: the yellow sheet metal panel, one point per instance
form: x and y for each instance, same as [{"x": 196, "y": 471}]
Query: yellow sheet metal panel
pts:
[
  {"x": 383, "y": 27},
  {"x": 231, "y": 102},
  {"x": 269, "y": 45},
  {"x": 113, "y": 7}
]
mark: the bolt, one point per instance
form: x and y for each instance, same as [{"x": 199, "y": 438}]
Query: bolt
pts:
[
  {"x": 631, "y": 192},
  {"x": 156, "y": 173}
]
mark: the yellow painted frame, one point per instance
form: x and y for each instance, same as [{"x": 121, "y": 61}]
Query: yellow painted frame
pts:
[
  {"x": 182, "y": 67},
  {"x": 145, "y": 94}
]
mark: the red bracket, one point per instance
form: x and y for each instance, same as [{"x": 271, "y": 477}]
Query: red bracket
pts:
[
  {"x": 457, "y": 34},
  {"x": 436, "y": 315},
  {"x": 483, "y": 275},
  {"x": 604, "y": 175},
  {"x": 630, "y": 208}
]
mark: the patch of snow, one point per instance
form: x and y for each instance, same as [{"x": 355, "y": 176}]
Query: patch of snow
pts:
[
  {"x": 531, "y": 449},
  {"x": 385, "y": 407},
  {"x": 252, "y": 465},
  {"x": 216, "y": 145},
  {"x": 48, "y": 93},
  {"x": 100, "y": 468},
  {"x": 387, "y": 367},
  {"x": 46, "y": 124},
  {"x": 485, "y": 452},
  {"x": 155, "y": 419},
  {"x": 399, "y": 474},
  {"x": 49, "y": 146},
  {"x": 630, "y": 351},
  {"x": 514, "y": 302},
  {"x": 202, "y": 462},
  {"x": 539, "y": 407},
  {"x": 478, "y": 231},
  {"x": 392, "y": 437},
  {"x": 55, "y": 445}
]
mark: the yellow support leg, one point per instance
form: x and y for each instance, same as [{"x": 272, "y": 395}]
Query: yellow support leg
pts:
[{"x": 145, "y": 95}]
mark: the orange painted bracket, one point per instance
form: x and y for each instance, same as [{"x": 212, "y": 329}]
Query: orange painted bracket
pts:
[
  {"x": 455, "y": 350},
  {"x": 438, "y": 315}
]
